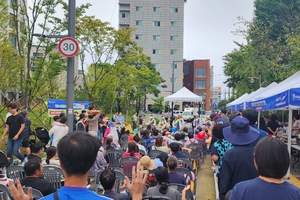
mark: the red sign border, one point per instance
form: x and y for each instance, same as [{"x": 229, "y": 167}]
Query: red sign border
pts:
[{"x": 76, "y": 46}]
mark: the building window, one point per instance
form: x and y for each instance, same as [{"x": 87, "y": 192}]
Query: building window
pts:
[
  {"x": 186, "y": 70},
  {"x": 173, "y": 38},
  {"x": 174, "y": 10},
  {"x": 156, "y": 9},
  {"x": 200, "y": 85},
  {"x": 188, "y": 84},
  {"x": 139, "y": 8},
  {"x": 157, "y": 66},
  {"x": 156, "y": 37},
  {"x": 155, "y": 51},
  {"x": 13, "y": 40},
  {"x": 175, "y": 66},
  {"x": 201, "y": 94},
  {"x": 156, "y": 23},
  {"x": 125, "y": 15},
  {"x": 38, "y": 55},
  {"x": 175, "y": 79},
  {"x": 13, "y": 4},
  {"x": 200, "y": 72},
  {"x": 138, "y": 37},
  {"x": 173, "y": 51},
  {"x": 174, "y": 23},
  {"x": 139, "y": 23}
]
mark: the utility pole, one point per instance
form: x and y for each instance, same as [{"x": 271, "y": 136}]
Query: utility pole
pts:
[{"x": 71, "y": 66}]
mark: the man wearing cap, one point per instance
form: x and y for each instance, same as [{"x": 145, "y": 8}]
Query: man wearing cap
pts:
[{"x": 237, "y": 163}]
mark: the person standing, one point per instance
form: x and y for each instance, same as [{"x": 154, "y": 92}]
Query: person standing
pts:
[
  {"x": 26, "y": 132},
  {"x": 93, "y": 121},
  {"x": 59, "y": 132},
  {"x": 273, "y": 126},
  {"x": 14, "y": 126},
  {"x": 134, "y": 120}
]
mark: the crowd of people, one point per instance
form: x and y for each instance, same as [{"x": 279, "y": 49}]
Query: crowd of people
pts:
[{"x": 250, "y": 161}]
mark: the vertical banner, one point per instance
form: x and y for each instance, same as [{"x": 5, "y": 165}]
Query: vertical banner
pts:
[{"x": 56, "y": 106}]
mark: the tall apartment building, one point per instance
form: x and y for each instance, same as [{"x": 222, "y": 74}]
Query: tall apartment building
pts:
[
  {"x": 197, "y": 78},
  {"x": 158, "y": 28}
]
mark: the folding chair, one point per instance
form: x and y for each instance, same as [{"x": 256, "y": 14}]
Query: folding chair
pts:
[
  {"x": 114, "y": 156},
  {"x": 35, "y": 193},
  {"x": 15, "y": 172},
  {"x": 5, "y": 193},
  {"x": 54, "y": 175},
  {"x": 154, "y": 153},
  {"x": 127, "y": 164}
]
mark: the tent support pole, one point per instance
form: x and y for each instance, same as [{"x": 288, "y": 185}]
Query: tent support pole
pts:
[
  {"x": 289, "y": 131},
  {"x": 258, "y": 119}
]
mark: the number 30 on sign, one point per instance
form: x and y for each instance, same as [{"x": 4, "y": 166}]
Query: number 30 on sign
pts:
[{"x": 68, "y": 47}]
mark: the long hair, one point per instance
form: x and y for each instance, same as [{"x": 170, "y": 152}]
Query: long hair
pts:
[
  {"x": 132, "y": 148},
  {"x": 51, "y": 151}
]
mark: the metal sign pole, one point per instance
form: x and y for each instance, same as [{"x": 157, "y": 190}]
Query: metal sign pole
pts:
[{"x": 71, "y": 66}]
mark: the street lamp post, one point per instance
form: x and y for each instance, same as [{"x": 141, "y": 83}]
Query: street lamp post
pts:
[
  {"x": 70, "y": 62},
  {"x": 173, "y": 77},
  {"x": 259, "y": 80}
]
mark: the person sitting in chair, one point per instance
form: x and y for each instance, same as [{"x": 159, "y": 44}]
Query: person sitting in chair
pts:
[
  {"x": 108, "y": 181},
  {"x": 34, "y": 171}
]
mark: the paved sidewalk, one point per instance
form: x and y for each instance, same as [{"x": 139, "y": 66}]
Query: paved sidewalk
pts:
[{"x": 206, "y": 182}]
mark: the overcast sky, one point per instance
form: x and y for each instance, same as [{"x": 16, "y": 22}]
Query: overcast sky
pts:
[{"x": 208, "y": 27}]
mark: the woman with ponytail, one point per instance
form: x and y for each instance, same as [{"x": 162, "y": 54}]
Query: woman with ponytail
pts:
[
  {"x": 163, "y": 186},
  {"x": 132, "y": 151},
  {"x": 52, "y": 158}
]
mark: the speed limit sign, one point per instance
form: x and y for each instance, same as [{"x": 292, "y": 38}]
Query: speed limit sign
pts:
[{"x": 68, "y": 47}]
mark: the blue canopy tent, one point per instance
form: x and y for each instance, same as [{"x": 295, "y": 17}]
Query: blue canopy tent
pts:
[{"x": 285, "y": 96}]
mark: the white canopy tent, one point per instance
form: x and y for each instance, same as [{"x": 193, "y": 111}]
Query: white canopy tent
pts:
[{"x": 183, "y": 94}]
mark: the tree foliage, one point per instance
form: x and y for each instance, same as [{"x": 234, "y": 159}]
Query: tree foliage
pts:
[
  {"x": 119, "y": 75},
  {"x": 272, "y": 48}
]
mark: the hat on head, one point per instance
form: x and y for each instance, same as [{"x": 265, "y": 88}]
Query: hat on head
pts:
[
  {"x": 240, "y": 132},
  {"x": 220, "y": 121},
  {"x": 197, "y": 131},
  {"x": 146, "y": 162}
]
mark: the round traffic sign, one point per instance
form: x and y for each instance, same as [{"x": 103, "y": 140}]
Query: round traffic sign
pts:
[{"x": 68, "y": 47}]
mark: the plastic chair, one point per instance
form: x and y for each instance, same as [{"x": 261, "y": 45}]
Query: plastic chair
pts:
[
  {"x": 186, "y": 172},
  {"x": 119, "y": 180},
  {"x": 154, "y": 153},
  {"x": 180, "y": 187},
  {"x": 15, "y": 172},
  {"x": 114, "y": 156},
  {"x": 187, "y": 154},
  {"x": 185, "y": 163},
  {"x": 54, "y": 175},
  {"x": 3, "y": 160},
  {"x": 35, "y": 193},
  {"x": 142, "y": 152},
  {"x": 156, "y": 198},
  {"x": 127, "y": 164},
  {"x": 195, "y": 155},
  {"x": 5, "y": 193}
]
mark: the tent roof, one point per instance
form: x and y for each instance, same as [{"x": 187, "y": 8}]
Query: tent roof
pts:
[
  {"x": 183, "y": 94},
  {"x": 291, "y": 82},
  {"x": 237, "y": 100}
]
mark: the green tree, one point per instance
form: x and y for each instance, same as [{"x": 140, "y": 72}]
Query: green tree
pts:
[{"x": 158, "y": 105}]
